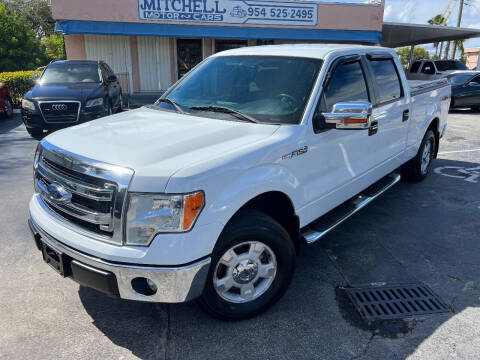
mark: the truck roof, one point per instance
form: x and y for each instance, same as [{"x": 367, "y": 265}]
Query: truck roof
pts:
[{"x": 319, "y": 51}]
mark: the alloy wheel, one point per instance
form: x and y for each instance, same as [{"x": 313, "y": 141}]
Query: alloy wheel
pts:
[
  {"x": 426, "y": 156},
  {"x": 245, "y": 272}
]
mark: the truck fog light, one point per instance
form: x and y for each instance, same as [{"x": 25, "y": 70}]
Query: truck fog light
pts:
[
  {"x": 144, "y": 287},
  {"x": 152, "y": 285}
]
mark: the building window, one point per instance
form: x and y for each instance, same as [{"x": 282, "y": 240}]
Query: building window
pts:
[
  {"x": 222, "y": 45},
  {"x": 189, "y": 54},
  {"x": 265, "y": 42}
]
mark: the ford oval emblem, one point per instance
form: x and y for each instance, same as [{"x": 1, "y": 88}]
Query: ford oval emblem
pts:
[{"x": 58, "y": 193}]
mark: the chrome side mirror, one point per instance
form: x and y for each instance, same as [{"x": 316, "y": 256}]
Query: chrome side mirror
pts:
[{"x": 352, "y": 115}]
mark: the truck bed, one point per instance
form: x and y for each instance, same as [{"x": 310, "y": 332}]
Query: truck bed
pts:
[{"x": 418, "y": 87}]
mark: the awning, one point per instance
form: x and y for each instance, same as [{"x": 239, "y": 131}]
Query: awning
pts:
[
  {"x": 401, "y": 34},
  {"x": 68, "y": 27}
]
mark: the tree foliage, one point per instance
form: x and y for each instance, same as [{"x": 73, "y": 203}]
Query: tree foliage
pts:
[
  {"x": 439, "y": 20},
  {"x": 18, "y": 83},
  {"x": 19, "y": 49},
  {"x": 404, "y": 54},
  {"x": 37, "y": 13},
  {"x": 54, "y": 47},
  {"x": 27, "y": 37}
]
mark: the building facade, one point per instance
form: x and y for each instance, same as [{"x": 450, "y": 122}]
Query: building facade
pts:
[
  {"x": 152, "y": 43},
  {"x": 473, "y": 56}
]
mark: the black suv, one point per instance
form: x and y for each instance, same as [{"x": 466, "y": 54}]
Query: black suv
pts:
[{"x": 69, "y": 93}]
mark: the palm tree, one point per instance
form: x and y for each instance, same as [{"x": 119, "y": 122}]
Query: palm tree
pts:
[{"x": 439, "y": 20}]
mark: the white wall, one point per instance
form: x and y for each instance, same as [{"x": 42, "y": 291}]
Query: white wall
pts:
[
  {"x": 154, "y": 60},
  {"x": 114, "y": 50}
]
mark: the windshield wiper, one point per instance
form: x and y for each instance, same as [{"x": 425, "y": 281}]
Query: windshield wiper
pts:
[
  {"x": 173, "y": 103},
  {"x": 225, "y": 110}
]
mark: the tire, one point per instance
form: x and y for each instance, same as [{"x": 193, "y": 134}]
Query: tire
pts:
[
  {"x": 37, "y": 134},
  {"x": 120, "y": 106},
  {"x": 109, "y": 108},
  {"x": 452, "y": 104},
  {"x": 249, "y": 230},
  {"x": 418, "y": 168},
  {"x": 8, "y": 108}
]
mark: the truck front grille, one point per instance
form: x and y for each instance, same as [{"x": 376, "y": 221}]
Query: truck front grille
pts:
[{"x": 93, "y": 198}]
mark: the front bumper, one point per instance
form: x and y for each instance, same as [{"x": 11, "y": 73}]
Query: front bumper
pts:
[
  {"x": 175, "y": 284},
  {"x": 35, "y": 120}
]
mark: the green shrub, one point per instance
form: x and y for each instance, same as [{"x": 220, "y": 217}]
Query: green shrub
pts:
[{"x": 18, "y": 83}]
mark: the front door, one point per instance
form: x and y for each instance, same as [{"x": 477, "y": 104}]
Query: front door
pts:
[
  {"x": 337, "y": 162},
  {"x": 189, "y": 54},
  {"x": 470, "y": 94}
]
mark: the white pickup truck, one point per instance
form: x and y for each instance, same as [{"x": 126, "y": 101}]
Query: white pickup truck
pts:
[{"x": 210, "y": 192}]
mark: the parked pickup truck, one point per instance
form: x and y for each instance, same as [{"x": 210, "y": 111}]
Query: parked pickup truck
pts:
[{"x": 211, "y": 192}]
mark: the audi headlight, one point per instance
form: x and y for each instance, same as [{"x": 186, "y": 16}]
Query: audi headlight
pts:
[
  {"x": 151, "y": 214},
  {"x": 29, "y": 105},
  {"x": 94, "y": 102}
]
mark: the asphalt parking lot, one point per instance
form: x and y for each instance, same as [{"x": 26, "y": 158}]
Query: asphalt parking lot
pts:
[{"x": 427, "y": 232}]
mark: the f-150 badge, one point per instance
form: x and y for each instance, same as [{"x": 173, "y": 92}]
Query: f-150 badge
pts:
[{"x": 295, "y": 153}]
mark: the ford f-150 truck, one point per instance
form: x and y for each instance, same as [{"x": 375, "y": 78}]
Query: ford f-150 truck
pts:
[{"x": 210, "y": 193}]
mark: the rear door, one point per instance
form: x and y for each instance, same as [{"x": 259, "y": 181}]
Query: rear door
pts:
[
  {"x": 391, "y": 108},
  {"x": 472, "y": 93}
]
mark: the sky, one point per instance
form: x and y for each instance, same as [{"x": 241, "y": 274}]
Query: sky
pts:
[{"x": 420, "y": 11}]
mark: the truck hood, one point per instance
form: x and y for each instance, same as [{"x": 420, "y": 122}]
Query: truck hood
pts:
[{"x": 156, "y": 144}]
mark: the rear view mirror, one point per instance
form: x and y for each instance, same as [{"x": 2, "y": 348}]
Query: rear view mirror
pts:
[{"x": 350, "y": 115}]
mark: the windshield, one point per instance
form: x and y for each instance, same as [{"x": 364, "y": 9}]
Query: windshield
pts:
[
  {"x": 459, "y": 79},
  {"x": 445, "y": 65},
  {"x": 70, "y": 73},
  {"x": 269, "y": 89}
]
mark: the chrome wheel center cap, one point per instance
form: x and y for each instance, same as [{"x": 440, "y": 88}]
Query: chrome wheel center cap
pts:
[{"x": 245, "y": 271}]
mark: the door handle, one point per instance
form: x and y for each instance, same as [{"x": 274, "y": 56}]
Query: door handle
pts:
[{"x": 406, "y": 115}]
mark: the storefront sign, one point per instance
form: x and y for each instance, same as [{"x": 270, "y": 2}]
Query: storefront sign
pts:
[{"x": 295, "y": 13}]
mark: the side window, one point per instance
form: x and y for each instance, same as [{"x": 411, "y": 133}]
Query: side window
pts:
[
  {"x": 415, "y": 67},
  {"x": 475, "y": 81},
  {"x": 387, "y": 79},
  {"x": 103, "y": 72},
  {"x": 346, "y": 84},
  {"x": 428, "y": 68}
]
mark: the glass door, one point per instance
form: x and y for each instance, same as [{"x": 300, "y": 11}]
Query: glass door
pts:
[{"x": 189, "y": 54}]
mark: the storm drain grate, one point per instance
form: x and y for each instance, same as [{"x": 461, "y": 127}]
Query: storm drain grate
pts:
[{"x": 395, "y": 302}]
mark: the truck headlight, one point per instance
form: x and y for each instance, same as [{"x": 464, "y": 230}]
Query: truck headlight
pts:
[
  {"x": 151, "y": 214},
  {"x": 94, "y": 102},
  {"x": 29, "y": 105}
]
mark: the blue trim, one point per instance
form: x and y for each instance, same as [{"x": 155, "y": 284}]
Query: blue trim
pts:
[{"x": 218, "y": 32}]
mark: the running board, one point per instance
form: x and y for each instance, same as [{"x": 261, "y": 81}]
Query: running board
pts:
[{"x": 335, "y": 217}]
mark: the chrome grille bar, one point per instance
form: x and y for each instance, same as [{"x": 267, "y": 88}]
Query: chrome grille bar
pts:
[
  {"x": 98, "y": 192},
  {"x": 77, "y": 211},
  {"x": 76, "y": 187}
]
